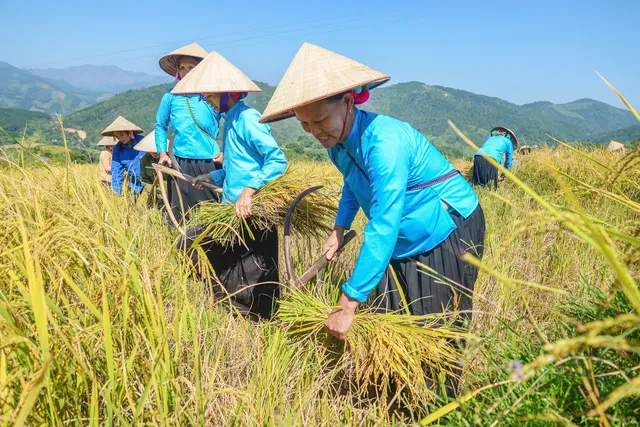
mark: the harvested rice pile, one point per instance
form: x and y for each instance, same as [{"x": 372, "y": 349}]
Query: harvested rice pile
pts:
[
  {"x": 384, "y": 348},
  {"x": 314, "y": 215}
]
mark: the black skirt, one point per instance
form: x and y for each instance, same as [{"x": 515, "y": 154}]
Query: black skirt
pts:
[
  {"x": 484, "y": 173},
  {"x": 426, "y": 294},
  {"x": 182, "y": 195},
  {"x": 250, "y": 274}
]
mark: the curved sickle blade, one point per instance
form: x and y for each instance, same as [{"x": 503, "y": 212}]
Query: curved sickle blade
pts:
[
  {"x": 322, "y": 260},
  {"x": 291, "y": 274},
  {"x": 174, "y": 163}
]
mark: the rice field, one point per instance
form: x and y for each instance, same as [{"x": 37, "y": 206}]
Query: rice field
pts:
[{"x": 102, "y": 324}]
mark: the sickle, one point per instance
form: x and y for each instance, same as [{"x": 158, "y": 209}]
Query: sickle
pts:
[
  {"x": 174, "y": 162},
  {"x": 322, "y": 260}
]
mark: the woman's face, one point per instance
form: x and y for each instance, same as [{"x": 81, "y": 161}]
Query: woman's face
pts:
[
  {"x": 186, "y": 64},
  {"x": 122, "y": 136},
  {"x": 324, "y": 119},
  {"x": 213, "y": 99},
  {"x": 109, "y": 148}
]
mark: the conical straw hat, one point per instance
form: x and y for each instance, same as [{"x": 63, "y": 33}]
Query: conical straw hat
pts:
[
  {"x": 107, "y": 140},
  {"x": 615, "y": 146},
  {"x": 525, "y": 149},
  {"x": 213, "y": 75},
  {"x": 514, "y": 138},
  {"x": 314, "y": 74},
  {"x": 120, "y": 125},
  {"x": 169, "y": 62},
  {"x": 148, "y": 143}
]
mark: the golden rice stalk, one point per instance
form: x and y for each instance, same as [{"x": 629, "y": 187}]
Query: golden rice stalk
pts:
[
  {"x": 384, "y": 348},
  {"x": 314, "y": 215}
]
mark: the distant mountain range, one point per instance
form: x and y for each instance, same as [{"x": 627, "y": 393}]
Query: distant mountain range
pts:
[
  {"x": 73, "y": 92},
  {"x": 427, "y": 108},
  {"x": 69, "y": 89},
  {"x": 100, "y": 78},
  {"x": 21, "y": 89}
]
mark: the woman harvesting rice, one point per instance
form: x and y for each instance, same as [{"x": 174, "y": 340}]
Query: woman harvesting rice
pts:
[
  {"x": 196, "y": 127},
  {"x": 500, "y": 144},
  {"x": 105, "y": 159},
  {"x": 252, "y": 159},
  {"x": 420, "y": 209},
  {"x": 125, "y": 157}
]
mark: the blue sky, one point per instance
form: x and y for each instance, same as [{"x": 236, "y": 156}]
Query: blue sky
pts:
[{"x": 519, "y": 51}]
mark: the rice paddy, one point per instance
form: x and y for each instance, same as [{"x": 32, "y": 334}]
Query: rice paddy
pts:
[{"x": 102, "y": 324}]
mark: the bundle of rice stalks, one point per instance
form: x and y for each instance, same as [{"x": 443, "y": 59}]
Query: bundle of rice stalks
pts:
[
  {"x": 385, "y": 349},
  {"x": 313, "y": 216}
]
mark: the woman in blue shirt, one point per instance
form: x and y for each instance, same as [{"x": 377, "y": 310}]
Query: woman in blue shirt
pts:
[
  {"x": 252, "y": 159},
  {"x": 500, "y": 144},
  {"x": 125, "y": 157},
  {"x": 195, "y": 126},
  {"x": 420, "y": 209}
]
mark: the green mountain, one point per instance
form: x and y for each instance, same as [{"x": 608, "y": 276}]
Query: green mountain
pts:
[
  {"x": 627, "y": 135},
  {"x": 140, "y": 107},
  {"x": 13, "y": 120},
  {"x": 426, "y": 107},
  {"x": 429, "y": 107},
  {"x": 589, "y": 116},
  {"x": 22, "y": 89}
]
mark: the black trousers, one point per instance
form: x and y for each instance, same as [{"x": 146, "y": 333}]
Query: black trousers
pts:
[
  {"x": 484, "y": 173},
  {"x": 182, "y": 195},
  {"x": 249, "y": 273},
  {"x": 426, "y": 294}
]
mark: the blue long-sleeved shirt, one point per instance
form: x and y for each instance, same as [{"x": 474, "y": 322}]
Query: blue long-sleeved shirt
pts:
[
  {"x": 496, "y": 147},
  {"x": 190, "y": 142},
  {"x": 393, "y": 157},
  {"x": 127, "y": 159},
  {"x": 252, "y": 157}
]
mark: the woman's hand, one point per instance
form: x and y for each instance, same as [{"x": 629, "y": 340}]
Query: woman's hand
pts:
[
  {"x": 243, "y": 204},
  {"x": 164, "y": 159},
  {"x": 218, "y": 158},
  {"x": 332, "y": 246},
  {"x": 202, "y": 178},
  {"x": 340, "y": 320}
]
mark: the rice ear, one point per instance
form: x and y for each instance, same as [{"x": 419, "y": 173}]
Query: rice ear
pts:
[
  {"x": 383, "y": 348},
  {"x": 313, "y": 216}
]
